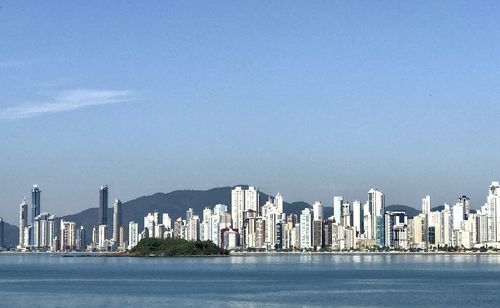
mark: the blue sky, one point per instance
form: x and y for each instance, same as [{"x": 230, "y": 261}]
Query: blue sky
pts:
[{"x": 308, "y": 98}]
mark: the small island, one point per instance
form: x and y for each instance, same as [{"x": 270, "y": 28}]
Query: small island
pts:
[{"x": 172, "y": 247}]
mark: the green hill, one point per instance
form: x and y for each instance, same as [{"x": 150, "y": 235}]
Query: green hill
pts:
[{"x": 175, "y": 247}]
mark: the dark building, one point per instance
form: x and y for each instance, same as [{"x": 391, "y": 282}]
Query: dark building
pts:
[
  {"x": 279, "y": 236},
  {"x": 35, "y": 208},
  {"x": 317, "y": 233},
  {"x": 103, "y": 205},
  {"x": 327, "y": 233},
  {"x": 2, "y": 233}
]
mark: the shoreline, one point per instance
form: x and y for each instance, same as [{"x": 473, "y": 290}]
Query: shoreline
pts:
[{"x": 250, "y": 254}]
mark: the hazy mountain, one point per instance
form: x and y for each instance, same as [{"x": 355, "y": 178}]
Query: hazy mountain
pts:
[{"x": 11, "y": 235}]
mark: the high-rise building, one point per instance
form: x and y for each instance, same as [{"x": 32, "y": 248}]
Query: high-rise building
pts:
[
  {"x": 44, "y": 231},
  {"x": 103, "y": 240},
  {"x": 2, "y": 233},
  {"x": 206, "y": 225},
  {"x": 396, "y": 223},
  {"x": 167, "y": 221},
  {"x": 337, "y": 208},
  {"x": 35, "y": 201},
  {"x": 23, "y": 224},
  {"x": 466, "y": 204},
  {"x": 357, "y": 216},
  {"x": 133, "y": 234},
  {"x": 493, "y": 204},
  {"x": 252, "y": 199},
  {"x": 346, "y": 214},
  {"x": 103, "y": 205},
  {"x": 68, "y": 236},
  {"x": 117, "y": 221},
  {"x": 317, "y": 211},
  {"x": 241, "y": 201},
  {"x": 426, "y": 205},
  {"x": 306, "y": 229},
  {"x": 81, "y": 239},
  {"x": 193, "y": 228},
  {"x": 35, "y": 208},
  {"x": 376, "y": 207},
  {"x": 278, "y": 202},
  {"x": 150, "y": 223}
]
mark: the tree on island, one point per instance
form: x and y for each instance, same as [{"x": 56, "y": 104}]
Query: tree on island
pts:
[{"x": 170, "y": 247}]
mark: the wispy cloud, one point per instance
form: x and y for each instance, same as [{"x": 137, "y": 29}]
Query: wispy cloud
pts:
[{"x": 66, "y": 101}]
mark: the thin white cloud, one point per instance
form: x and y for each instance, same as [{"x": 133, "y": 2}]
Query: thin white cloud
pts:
[{"x": 66, "y": 101}]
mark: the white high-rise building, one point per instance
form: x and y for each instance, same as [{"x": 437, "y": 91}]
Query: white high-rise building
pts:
[
  {"x": 252, "y": 199},
  {"x": 133, "y": 234},
  {"x": 306, "y": 229},
  {"x": 243, "y": 200},
  {"x": 103, "y": 241},
  {"x": 68, "y": 236},
  {"x": 346, "y": 214},
  {"x": 493, "y": 204},
  {"x": 150, "y": 222},
  {"x": 278, "y": 202},
  {"x": 367, "y": 221},
  {"x": 206, "y": 225},
  {"x": 193, "y": 228},
  {"x": 317, "y": 211},
  {"x": 376, "y": 206},
  {"x": 457, "y": 216},
  {"x": 237, "y": 207},
  {"x": 221, "y": 219},
  {"x": 167, "y": 221},
  {"x": 272, "y": 216},
  {"x": 23, "y": 223},
  {"x": 43, "y": 230},
  {"x": 117, "y": 221},
  {"x": 337, "y": 208},
  {"x": 426, "y": 205}
]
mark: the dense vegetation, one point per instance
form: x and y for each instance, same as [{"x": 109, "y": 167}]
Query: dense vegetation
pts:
[{"x": 175, "y": 247}]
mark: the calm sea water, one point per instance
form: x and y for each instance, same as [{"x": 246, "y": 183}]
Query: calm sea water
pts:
[{"x": 293, "y": 280}]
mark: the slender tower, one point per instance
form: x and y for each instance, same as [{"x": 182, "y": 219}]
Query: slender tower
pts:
[
  {"x": 35, "y": 209},
  {"x": 117, "y": 221},
  {"x": 2, "y": 236},
  {"x": 23, "y": 222},
  {"x": 103, "y": 205}
]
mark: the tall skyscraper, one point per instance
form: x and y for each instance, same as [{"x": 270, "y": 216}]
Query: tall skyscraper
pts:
[
  {"x": 81, "y": 239},
  {"x": 252, "y": 199},
  {"x": 426, "y": 205},
  {"x": 278, "y": 202},
  {"x": 44, "y": 231},
  {"x": 306, "y": 229},
  {"x": 493, "y": 205},
  {"x": 35, "y": 209},
  {"x": 23, "y": 223},
  {"x": 117, "y": 221},
  {"x": 68, "y": 236},
  {"x": 337, "y": 208},
  {"x": 2, "y": 233},
  {"x": 357, "y": 216},
  {"x": 243, "y": 200},
  {"x": 103, "y": 205},
  {"x": 317, "y": 211},
  {"x": 466, "y": 204},
  {"x": 376, "y": 206},
  {"x": 133, "y": 234}
]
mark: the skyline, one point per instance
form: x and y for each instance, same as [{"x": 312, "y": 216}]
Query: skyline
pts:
[
  {"x": 308, "y": 100},
  {"x": 331, "y": 203}
]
